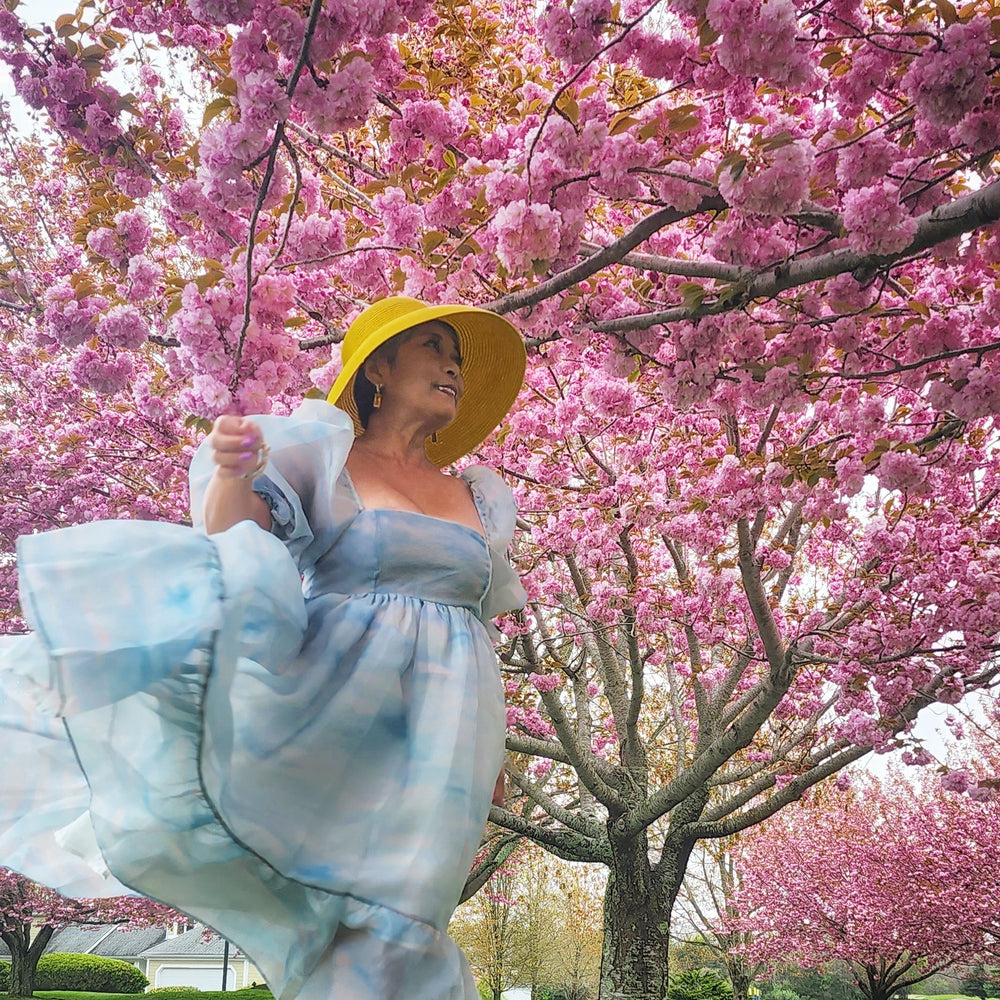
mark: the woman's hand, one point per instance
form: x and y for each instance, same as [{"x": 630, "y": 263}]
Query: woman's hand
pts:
[
  {"x": 239, "y": 452},
  {"x": 238, "y": 448}
]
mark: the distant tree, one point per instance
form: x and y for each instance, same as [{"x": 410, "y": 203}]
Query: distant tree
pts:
[
  {"x": 980, "y": 980},
  {"x": 694, "y": 953},
  {"x": 30, "y": 914},
  {"x": 486, "y": 930},
  {"x": 900, "y": 880},
  {"x": 536, "y": 924},
  {"x": 831, "y": 981},
  {"x": 707, "y": 894}
]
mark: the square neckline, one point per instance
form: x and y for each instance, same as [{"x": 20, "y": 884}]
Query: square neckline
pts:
[{"x": 480, "y": 533}]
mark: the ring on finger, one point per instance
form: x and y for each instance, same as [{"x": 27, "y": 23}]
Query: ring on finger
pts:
[{"x": 262, "y": 452}]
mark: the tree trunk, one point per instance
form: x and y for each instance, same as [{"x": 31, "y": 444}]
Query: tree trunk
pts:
[
  {"x": 24, "y": 956},
  {"x": 637, "y": 905},
  {"x": 879, "y": 982},
  {"x": 740, "y": 980}
]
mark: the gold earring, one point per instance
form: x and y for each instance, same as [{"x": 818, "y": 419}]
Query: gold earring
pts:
[{"x": 377, "y": 400}]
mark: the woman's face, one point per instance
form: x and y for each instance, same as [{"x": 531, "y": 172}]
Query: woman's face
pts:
[{"x": 426, "y": 376}]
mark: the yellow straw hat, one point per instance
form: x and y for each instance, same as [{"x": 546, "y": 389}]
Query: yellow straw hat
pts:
[{"x": 493, "y": 360}]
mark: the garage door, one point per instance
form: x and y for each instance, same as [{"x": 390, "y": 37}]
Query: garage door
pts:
[{"x": 204, "y": 977}]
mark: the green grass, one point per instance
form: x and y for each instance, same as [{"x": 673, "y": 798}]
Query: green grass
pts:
[
  {"x": 247, "y": 994},
  {"x": 941, "y": 996}
]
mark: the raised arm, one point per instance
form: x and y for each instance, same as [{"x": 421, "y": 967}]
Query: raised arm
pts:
[{"x": 237, "y": 446}]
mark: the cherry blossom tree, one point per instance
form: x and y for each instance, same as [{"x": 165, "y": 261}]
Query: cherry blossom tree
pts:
[
  {"x": 899, "y": 881},
  {"x": 708, "y": 893},
  {"x": 30, "y": 914},
  {"x": 753, "y": 248}
]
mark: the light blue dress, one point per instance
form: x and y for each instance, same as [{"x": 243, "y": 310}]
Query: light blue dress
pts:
[{"x": 292, "y": 737}]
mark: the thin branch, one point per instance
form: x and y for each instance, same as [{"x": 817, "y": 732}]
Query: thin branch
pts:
[
  {"x": 351, "y": 161},
  {"x": 611, "y": 254},
  {"x": 680, "y": 267}
]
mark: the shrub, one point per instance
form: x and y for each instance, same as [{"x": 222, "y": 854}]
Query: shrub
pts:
[
  {"x": 699, "y": 984},
  {"x": 88, "y": 974},
  {"x": 4, "y": 975},
  {"x": 783, "y": 993}
]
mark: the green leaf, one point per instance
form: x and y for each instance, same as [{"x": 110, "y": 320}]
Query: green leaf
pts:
[
  {"x": 692, "y": 294},
  {"x": 214, "y": 109}
]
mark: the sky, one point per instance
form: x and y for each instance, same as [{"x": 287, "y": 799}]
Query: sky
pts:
[{"x": 34, "y": 13}]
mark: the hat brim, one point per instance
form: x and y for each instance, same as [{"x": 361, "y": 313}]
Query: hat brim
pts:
[{"x": 493, "y": 363}]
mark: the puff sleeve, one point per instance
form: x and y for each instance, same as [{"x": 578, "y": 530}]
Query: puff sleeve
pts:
[
  {"x": 499, "y": 513},
  {"x": 308, "y": 451}
]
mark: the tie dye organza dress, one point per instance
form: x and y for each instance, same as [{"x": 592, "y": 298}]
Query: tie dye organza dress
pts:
[{"x": 292, "y": 737}]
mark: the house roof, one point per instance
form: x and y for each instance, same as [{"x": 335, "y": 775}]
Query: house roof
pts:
[
  {"x": 107, "y": 940},
  {"x": 191, "y": 943}
]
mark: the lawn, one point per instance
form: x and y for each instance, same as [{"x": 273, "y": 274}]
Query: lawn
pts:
[{"x": 178, "y": 994}]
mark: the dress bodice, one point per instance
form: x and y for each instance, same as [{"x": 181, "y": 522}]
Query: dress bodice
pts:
[{"x": 406, "y": 553}]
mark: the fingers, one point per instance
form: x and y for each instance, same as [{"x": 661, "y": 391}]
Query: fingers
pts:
[{"x": 237, "y": 446}]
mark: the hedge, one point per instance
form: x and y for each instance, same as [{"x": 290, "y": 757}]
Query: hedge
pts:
[{"x": 88, "y": 974}]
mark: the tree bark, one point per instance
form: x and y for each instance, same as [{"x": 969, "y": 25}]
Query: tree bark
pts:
[
  {"x": 740, "y": 980},
  {"x": 637, "y": 906},
  {"x": 24, "y": 956}
]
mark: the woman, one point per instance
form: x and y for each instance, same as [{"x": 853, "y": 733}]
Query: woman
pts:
[{"x": 309, "y": 778}]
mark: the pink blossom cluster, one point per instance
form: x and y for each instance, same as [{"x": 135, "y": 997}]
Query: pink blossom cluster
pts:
[
  {"x": 870, "y": 65},
  {"x": 876, "y": 221},
  {"x": 902, "y": 470},
  {"x": 969, "y": 390},
  {"x": 87, "y": 112},
  {"x": 759, "y": 39},
  {"x": 574, "y": 33},
  {"x": 862, "y": 163},
  {"x": 104, "y": 375},
  {"x": 527, "y": 235},
  {"x": 68, "y": 320},
  {"x": 427, "y": 123},
  {"x": 658, "y": 56},
  {"x": 123, "y": 327},
  {"x": 315, "y": 238},
  {"x": 950, "y": 78},
  {"x": 978, "y": 131},
  {"x": 401, "y": 218},
  {"x": 222, "y": 12},
  {"x": 143, "y": 278},
  {"x": 130, "y": 236},
  {"x": 343, "y": 102},
  {"x": 777, "y": 188},
  {"x": 530, "y": 721},
  {"x": 546, "y": 682}
]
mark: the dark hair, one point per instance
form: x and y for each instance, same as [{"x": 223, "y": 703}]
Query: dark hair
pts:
[{"x": 363, "y": 390}]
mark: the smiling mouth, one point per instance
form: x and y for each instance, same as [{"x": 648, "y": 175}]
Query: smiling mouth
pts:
[{"x": 449, "y": 389}]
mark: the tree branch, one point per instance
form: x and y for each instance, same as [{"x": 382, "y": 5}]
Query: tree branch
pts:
[
  {"x": 963, "y": 215},
  {"x": 611, "y": 254}
]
